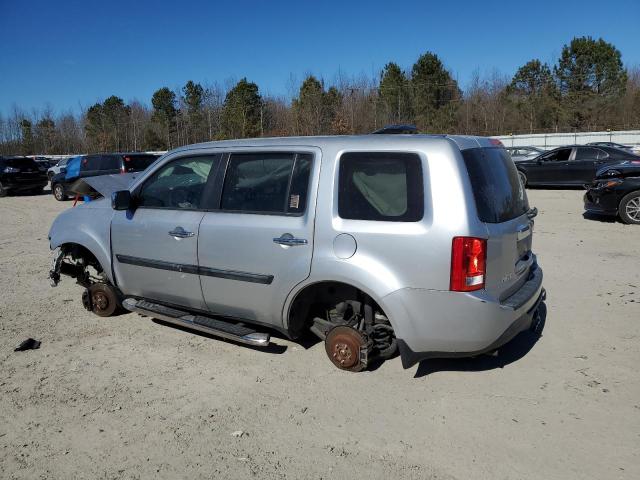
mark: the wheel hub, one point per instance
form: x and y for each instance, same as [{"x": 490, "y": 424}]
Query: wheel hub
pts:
[
  {"x": 100, "y": 301},
  {"x": 344, "y": 346}
]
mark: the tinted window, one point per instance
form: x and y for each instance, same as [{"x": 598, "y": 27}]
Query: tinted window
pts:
[
  {"x": 63, "y": 162},
  {"x": 258, "y": 183},
  {"x": 92, "y": 162},
  {"x": 297, "y": 198},
  {"x": 137, "y": 163},
  {"x": 110, "y": 162},
  {"x": 383, "y": 186},
  {"x": 179, "y": 184},
  {"x": 498, "y": 192},
  {"x": 561, "y": 155},
  {"x": 586, "y": 153},
  {"x": 21, "y": 163}
]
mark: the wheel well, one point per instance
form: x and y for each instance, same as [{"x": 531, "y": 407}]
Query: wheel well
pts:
[
  {"x": 316, "y": 299},
  {"x": 79, "y": 252}
]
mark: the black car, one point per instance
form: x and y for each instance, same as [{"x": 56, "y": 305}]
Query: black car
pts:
[
  {"x": 21, "y": 174},
  {"x": 610, "y": 144},
  {"x": 573, "y": 165},
  {"x": 616, "y": 192},
  {"x": 98, "y": 164}
]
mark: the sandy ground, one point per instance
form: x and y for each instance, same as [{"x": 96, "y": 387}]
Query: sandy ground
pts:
[{"x": 130, "y": 398}]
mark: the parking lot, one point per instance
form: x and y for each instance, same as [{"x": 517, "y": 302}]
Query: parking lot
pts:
[{"x": 128, "y": 397}]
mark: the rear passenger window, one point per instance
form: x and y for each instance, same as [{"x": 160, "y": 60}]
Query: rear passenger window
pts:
[
  {"x": 266, "y": 183},
  {"x": 586, "y": 153},
  {"x": 90, "y": 163},
  {"x": 110, "y": 162},
  {"x": 382, "y": 186}
]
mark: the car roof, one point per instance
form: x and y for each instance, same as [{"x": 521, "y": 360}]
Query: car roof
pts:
[{"x": 369, "y": 141}]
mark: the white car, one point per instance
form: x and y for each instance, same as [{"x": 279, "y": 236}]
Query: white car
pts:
[{"x": 57, "y": 168}]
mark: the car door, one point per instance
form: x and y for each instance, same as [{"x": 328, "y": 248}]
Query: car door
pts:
[
  {"x": 582, "y": 167},
  {"x": 257, "y": 246},
  {"x": 550, "y": 168},
  {"x": 155, "y": 247}
]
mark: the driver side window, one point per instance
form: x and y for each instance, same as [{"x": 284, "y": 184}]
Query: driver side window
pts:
[
  {"x": 561, "y": 155},
  {"x": 178, "y": 185}
]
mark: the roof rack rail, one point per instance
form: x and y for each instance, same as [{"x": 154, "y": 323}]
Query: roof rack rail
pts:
[{"x": 396, "y": 129}]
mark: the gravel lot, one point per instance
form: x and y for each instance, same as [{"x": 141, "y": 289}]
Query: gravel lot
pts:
[{"x": 131, "y": 398}]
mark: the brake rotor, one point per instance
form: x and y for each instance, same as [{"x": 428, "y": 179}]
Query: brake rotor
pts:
[
  {"x": 104, "y": 300},
  {"x": 347, "y": 348}
]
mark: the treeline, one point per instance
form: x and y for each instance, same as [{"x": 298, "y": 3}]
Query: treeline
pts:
[{"x": 587, "y": 89}]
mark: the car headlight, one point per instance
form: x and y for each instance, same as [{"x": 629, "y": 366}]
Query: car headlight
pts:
[
  {"x": 608, "y": 183},
  {"x": 11, "y": 170}
]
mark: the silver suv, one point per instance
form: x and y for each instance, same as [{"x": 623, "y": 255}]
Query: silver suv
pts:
[{"x": 375, "y": 243}]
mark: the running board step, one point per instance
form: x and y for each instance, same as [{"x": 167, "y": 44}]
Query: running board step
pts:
[{"x": 220, "y": 328}]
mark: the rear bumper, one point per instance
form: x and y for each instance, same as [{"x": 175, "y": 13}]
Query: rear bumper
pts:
[{"x": 437, "y": 324}]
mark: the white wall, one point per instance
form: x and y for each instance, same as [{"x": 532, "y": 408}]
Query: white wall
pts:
[{"x": 552, "y": 140}]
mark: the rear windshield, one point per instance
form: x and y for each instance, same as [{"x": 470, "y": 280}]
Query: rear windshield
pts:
[
  {"x": 496, "y": 187},
  {"x": 137, "y": 162},
  {"x": 20, "y": 162}
]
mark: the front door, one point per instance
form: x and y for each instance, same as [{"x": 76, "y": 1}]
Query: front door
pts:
[
  {"x": 155, "y": 247},
  {"x": 257, "y": 247},
  {"x": 550, "y": 168}
]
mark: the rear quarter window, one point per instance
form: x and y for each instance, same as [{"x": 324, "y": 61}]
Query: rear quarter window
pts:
[
  {"x": 497, "y": 190},
  {"x": 381, "y": 186}
]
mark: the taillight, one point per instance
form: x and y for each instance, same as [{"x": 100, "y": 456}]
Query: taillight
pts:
[{"x": 468, "y": 264}]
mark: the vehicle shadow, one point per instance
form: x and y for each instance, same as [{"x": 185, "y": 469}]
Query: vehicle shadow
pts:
[
  {"x": 509, "y": 353},
  {"x": 594, "y": 217},
  {"x": 556, "y": 187},
  {"x": 272, "y": 348}
]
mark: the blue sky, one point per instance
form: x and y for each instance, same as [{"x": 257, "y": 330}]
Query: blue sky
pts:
[{"x": 71, "y": 53}]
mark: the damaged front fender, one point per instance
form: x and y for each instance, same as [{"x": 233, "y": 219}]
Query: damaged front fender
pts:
[{"x": 56, "y": 262}]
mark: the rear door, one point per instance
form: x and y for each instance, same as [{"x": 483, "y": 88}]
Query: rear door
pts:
[
  {"x": 583, "y": 165},
  {"x": 155, "y": 247},
  {"x": 257, "y": 246},
  {"x": 502, "y": 205}
]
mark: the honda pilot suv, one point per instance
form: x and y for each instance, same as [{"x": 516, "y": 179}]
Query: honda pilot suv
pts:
[{"x": 376, "y": 244}]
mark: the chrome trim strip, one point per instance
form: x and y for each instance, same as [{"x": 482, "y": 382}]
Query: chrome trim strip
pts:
[{"x": 196, "y": 270}]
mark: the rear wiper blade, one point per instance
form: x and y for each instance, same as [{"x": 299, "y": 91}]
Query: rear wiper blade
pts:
[{"x": 532, "y": 213}]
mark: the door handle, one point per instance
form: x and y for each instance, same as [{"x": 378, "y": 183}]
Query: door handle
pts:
[
  {"x": 180, "y": 232},
  {"x": 289, "y": 240}
]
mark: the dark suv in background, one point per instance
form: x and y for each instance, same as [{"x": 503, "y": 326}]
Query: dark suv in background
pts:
[
  {"x": 21, "y": 174},
  {"x": 573, "y": 165},
  {"x": 98, "y": 164}
]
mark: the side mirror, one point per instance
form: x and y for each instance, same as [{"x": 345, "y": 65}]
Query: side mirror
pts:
[{"x": 121, "y": 200}]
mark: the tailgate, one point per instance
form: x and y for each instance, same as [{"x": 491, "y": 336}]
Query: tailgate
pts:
[
  {"x": 509, "y": 256},
  {"x": 502, "y": 205}
]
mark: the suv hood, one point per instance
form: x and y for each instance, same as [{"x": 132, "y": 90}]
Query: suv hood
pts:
[
  {"x": 628, "y": 168},
  {"x": 105, "y": 185}
]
